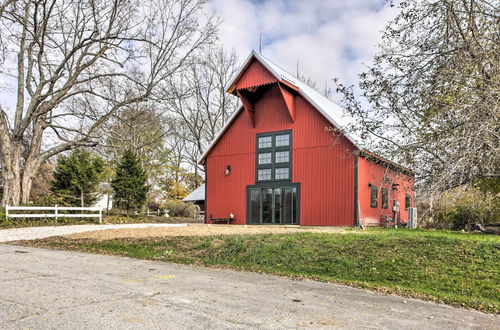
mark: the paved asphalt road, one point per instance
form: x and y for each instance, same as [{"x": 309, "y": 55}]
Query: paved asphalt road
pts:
[{"x": 42, "y": 289}]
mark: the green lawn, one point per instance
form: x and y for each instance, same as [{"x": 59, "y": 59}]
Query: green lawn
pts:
[{"x": 454, "y": 268}]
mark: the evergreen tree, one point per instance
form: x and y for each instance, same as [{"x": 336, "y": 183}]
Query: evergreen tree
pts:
[
  {"x": 130, "y": 182},
  {"x": 77, "y": 177}
]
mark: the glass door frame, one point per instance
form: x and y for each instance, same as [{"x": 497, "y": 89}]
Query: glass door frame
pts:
[{"x": 274, "y": 185}]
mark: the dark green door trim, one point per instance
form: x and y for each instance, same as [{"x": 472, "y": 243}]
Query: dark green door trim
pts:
[
  {"x": 356, "y": 206},
  {"x": 273, "y": 185},
  {"x": 206, "y": 189}
]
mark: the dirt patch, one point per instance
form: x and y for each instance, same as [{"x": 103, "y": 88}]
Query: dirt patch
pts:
[{"x": 203, "y": 230}]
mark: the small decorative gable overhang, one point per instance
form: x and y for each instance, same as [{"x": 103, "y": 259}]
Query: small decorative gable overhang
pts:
[{"x": 253, "y": 75}]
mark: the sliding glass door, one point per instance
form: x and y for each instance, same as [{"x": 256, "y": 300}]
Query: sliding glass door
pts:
[{"x": 273, "y": 205}]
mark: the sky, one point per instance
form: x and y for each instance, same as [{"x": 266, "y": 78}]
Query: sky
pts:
[{"x": 329, "y": 38}]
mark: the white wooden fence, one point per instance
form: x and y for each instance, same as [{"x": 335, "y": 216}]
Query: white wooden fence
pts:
[{"x": 58, "y": 212}]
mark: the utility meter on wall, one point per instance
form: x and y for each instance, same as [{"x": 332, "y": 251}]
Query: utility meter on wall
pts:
[{"x": 395, "y": 208}]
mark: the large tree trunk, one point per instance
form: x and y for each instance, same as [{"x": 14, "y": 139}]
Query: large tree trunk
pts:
[
  {"x": 11, "y": 175},
  {"x": 17, "y": 181},
  {"x": 33, "y": 160},
  {"x": 26, "y": 184},
  {"x": 11, "y": 188},
  {"x": 30, "y": 170}
]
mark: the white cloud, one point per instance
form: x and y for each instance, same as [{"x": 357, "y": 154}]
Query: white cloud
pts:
[{"x": 328, "y": 38}]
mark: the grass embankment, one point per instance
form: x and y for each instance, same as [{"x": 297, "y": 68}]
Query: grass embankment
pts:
[
  {"x": 454, "y": 268},
  {"x": 37, "y": 222}
]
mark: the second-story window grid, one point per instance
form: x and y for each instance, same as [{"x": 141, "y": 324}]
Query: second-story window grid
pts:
[{"x": 274, "y": 156}]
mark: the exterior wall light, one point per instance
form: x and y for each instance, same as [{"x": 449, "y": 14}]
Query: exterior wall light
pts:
[{"x": 228, "y": 170}]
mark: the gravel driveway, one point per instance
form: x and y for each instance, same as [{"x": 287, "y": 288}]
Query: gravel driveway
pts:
[{"x": 28, "y": 233}]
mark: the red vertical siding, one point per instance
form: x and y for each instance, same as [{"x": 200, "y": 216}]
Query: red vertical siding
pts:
[
  {"x": 371, "y": 173},
  {"x": 322, "y": 164}
]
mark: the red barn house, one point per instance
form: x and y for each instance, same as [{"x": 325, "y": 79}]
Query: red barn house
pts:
[{"x": 283, "y": 158}]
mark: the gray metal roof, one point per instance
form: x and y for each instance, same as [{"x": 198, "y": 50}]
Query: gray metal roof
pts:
[
  {"x": 337, "y": 116},
  {"x": 196, "y": 195}
]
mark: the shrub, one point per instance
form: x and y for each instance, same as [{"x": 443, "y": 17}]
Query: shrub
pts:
[
  {"x": 120, "y": 219},
  {"x": 49, "y": 200},
  {"x": 177, "y": 208},
  {"x": 442, "y": 219},
  {"x": 154, "y": 205},
  {"x": 461, "y": 209},
  {"x": 466, "y": 216}
]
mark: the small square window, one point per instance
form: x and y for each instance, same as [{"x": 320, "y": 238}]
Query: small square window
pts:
[
  {"x": 282, "y": 140},
  {"x": 282, "y": 157},
  {"x": 265, "y": 158},
  {"x": 265, "y": 142},
  {"x": 373, "y": 196},
  {"x": 264, "y": 174},
  {"x": 281, "y": 173}
]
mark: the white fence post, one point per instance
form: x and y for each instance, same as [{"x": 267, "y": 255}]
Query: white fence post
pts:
[
  {"x": 55, "y": 211},
  {"x": 6, "y": 212},
  {"x": 100, "y": 215}
]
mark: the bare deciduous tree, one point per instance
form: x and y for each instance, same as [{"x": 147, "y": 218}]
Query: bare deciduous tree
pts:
[
  {"x": 140, "y": 128},
  {"x": 74, "y": 64},
  {"x": 431, "y": 99},
  {"x": 200, "y": 103}
]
